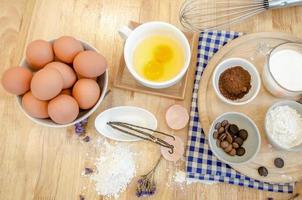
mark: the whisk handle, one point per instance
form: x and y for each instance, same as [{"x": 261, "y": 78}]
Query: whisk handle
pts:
[{"x": 283, "y": 3}]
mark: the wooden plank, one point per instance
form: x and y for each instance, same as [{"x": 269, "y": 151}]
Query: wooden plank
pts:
[{"x": 45, "y": 164}]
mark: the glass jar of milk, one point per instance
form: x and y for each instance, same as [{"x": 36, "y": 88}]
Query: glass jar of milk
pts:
[{"x": 282, "y": 73}]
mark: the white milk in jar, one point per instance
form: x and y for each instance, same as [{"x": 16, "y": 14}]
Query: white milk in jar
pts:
[{"x": 282, "y": 75}]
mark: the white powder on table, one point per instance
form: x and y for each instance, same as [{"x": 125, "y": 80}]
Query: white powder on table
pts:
[
  {"x": 286, "y": 68},
  {"x": 115, "y": 170},
  {"x": 180, "y": 177},
  {"x": 285, "y": 126}
]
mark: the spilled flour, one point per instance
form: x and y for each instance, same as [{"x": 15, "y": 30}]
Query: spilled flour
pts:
[{"x": 115, "y": 169}]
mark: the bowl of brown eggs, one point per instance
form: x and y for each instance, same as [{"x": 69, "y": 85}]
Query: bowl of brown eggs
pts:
[{"x": 59, "y": 82}]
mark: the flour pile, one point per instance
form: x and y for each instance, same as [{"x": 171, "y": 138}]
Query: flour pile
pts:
[
  {"x": 285, "y": 126},
  {"x": 115, "y": 170}
]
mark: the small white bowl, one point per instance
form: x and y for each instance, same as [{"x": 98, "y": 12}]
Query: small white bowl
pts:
[
  {"x": 102, "y": 81},
  {"x": 134, "y": 37},
  {"x": 255, "y": 80},
  {"x": 292, "y": 104},
  {"x": 128, "y": 114},
  {"x": 251, "y": 144}
]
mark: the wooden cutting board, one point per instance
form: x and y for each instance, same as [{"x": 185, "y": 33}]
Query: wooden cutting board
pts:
[{"x": 253, "y": 47}]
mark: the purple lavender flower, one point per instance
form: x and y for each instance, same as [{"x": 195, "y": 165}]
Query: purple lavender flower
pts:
[
  {"x": 80, "y": 127},
  {"x": 146, "y": 185}
]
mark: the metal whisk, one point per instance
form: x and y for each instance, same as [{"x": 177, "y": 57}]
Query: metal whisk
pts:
[{"x": 206, "y": 15}]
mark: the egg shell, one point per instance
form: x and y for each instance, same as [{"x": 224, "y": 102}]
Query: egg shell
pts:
[
  {"x": 86, "y": 92},
  {"x": 67, "y": 92},
  {"x": 178, "y": 150},
  {"x": 89, "y": 64},
  {"x": 16, "y": 80},
  {"x": 34, "y": 107},
  {"x": 66, "y": 71},
  {"x": 46, "y": 84},
  {"x": 39, "y": 53},
  {"x": 66, "y": 48},
  {"x": 63, "y": 109},
  {"x": 177, "y": 117}
]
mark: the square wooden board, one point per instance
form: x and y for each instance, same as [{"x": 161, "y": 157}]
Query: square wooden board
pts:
[{"x": 177, "y": 91}]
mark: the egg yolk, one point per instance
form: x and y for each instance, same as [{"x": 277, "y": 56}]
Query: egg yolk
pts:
[
  {"x": 153, "y": 70},
  {"x": 162, "y": 53}
]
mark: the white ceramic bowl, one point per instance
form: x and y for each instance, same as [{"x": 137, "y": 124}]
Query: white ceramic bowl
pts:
[
  {"x": 102, "y": 81},
  {"x": 251, "y": 144},
  {"x": 128, "y": 114},
  {"x": 292, "y": 104},
  {"x": 255, "y": 80},
  {"x": 134, "y": 37}
]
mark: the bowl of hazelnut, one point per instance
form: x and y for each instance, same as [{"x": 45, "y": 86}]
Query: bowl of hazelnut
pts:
[{"x": 234, "y": 138}]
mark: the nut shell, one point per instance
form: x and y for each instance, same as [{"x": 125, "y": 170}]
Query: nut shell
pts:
[
  {"x": 235, "y": 145},
  {"x": 228, "y": 148},
  {"x": 215, "y": 135},
  {"x": 239, "y": 141},
  {"x": 243, "y": 134},
  {"x": 229, "y": 138},
  {"x": 220, "y": 130},
  {"x": 224, "y": 123},
  {"x": 217, "y": 126},
  {"x": 224, "y": 144},
  {"x": 240, "y": 151},
  {"x": 232, "y": 152}
]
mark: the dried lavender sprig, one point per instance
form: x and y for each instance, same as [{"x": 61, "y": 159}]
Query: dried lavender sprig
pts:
[{"x": 146, "y": 184}]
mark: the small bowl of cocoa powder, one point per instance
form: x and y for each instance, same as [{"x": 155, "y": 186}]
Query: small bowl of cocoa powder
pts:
[{"x": 236, "y": 81}]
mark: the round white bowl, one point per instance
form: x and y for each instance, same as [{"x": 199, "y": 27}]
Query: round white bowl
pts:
[
  {"x": 255, "y": 80},
  {"x": 251, "y": 144},
  {"x": 295, "y": 105},
  {"x": 102, "y": 81},
  {"x": 155, "y": 28}
]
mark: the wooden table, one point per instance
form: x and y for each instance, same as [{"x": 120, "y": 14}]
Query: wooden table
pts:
[{"x": 46, "y": 164}]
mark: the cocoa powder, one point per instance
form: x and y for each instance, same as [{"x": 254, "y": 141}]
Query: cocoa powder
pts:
[{"x": 234, "y": 83}]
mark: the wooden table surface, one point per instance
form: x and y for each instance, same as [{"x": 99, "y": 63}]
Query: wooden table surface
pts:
[{"x": 46, "y": 164}]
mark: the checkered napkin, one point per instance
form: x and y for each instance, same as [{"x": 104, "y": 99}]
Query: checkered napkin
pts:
[{"x": 201, "y": 163}]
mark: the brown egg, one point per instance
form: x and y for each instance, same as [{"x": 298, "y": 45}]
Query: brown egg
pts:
[
  {"x": 16, "y": 80},
  {"x": 46, "y": 84},
  {"x": 39, "y": 53},
  {"x": 34, "y": 107},
  {"x": 66, "y": 48},
  {"x": 63, "y": 109},
  {"x": 67, "y": 92},
  {"x": 90, "y": 64},
  {"x": 66, "y": 71},
  {"x": 81, "y": 77},
  {"x": 86, "y": 92}
]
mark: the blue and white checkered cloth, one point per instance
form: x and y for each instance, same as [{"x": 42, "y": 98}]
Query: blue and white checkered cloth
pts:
[{"x": 201, "y": 163}]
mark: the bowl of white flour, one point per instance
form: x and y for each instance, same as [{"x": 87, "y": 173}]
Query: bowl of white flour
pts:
[{"x": 283, "y": 125}]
